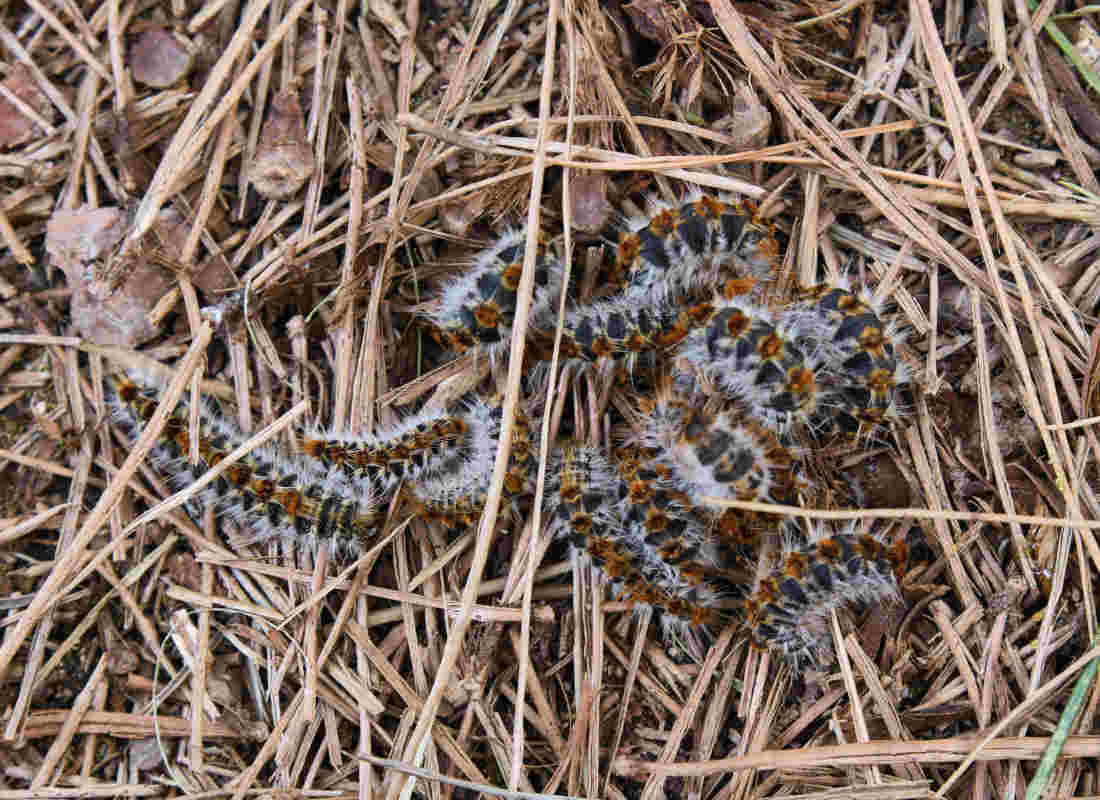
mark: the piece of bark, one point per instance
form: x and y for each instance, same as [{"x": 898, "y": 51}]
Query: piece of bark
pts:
[
  {"x": 111, "y": 294},
  {"x": 16, "y": 128},
  {"x": 590, "y": 208},
  {"x": 160, "y": 59}
]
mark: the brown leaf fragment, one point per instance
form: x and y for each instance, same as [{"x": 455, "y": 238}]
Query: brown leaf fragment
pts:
[
  {"x": 748, "y": 121},
  {"x": 284, "y": 157},
  {"x": 144, "y": 753},
  {"x": 17, "y": 128},
  {"x": 591, "y": 209},
  {"x": 134, "y": 167},
  {"x": 214, "y": 276},
  {"x": 122, "y": 659},
  {"x": 111, "y": 294},
  {"x": 78, "y": 236},
  {"x": 876, "y": 482},
  {"x": 185, "y": 570},
  {"x": 458, "y": 217},
  {"x": 159, "y": 59},
  {"x": 659, "y": 21},
  {"x": 647, "y": 19},
  {"x": 1079, "y": 105}
]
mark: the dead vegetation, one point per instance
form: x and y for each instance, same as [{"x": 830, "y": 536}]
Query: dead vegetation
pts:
[{"x": 944, "y": 153}]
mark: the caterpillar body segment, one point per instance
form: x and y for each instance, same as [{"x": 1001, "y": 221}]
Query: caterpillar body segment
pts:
[
  {"x": 271, "y": 493},
  {"x": 674, "y": 544},
  {"x": 584, "y": 504},
  {"x": 693, "y": 246},
  {"x": 456, "y": 497},
  {"x": 722, "y": 454},
  {"x": 757, "y": 359},
  {"x": 477, "y": 308},
  {"x": 862, "y": 373},
  {"x": 639, "y": 579},
  {"x": 788, "y": 612},
  {"x": 658, "y": 512},
  {"x": 452, "y": 502},
  {"x": 579, "y": 499},
  {"x": 623, "y": 327},
  {"x": 420, "y": 446},
  {"x": 612, "y": 328}
]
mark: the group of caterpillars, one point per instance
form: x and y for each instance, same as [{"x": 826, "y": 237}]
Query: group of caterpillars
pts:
[{"x": 733, "y": 380}]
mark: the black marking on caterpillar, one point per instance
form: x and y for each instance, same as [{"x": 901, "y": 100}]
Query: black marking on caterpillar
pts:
[
  {"x": 758, "y": 359},
  {"x": 431, "y": 444},
  {"x": 456, "y": 497},
  {"x": 720, "y": 453},
  {"x": 862, "y": 372}
]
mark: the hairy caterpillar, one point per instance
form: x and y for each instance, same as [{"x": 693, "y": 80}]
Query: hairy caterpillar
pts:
[
  {"x": 862, "y": 372},
  {"x": 789, "y": 610},
  {"x": 418, "y": 446},
  {"x": 659, "y": 262},
  {"x": 271, "y": 492},
  {"x": 721, "y": 453},
  {"x": 733, "y": 378},
  {"x": 691, "y": 246},
  {"x": 822, "y": 359},
  {"x": 456, "y": 496},
  {"x": 424, "y": 446},
  {"x": 584, "y": 502},
  {"x": 764, "y": 360},
  {"x": 477, "y": 308}
]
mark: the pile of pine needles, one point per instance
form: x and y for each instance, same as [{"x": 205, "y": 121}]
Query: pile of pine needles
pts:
[{"x": 943, "y": 154}]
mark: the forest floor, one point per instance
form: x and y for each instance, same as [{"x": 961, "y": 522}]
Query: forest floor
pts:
[{"x": 333, "y": 163}]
